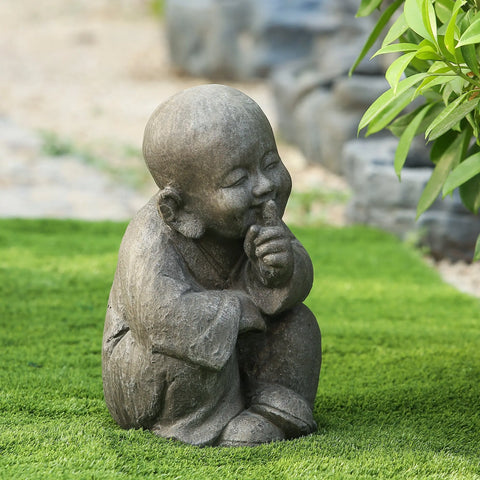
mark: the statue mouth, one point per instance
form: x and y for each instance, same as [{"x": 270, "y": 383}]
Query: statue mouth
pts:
[{"x": 258, "y": 213}]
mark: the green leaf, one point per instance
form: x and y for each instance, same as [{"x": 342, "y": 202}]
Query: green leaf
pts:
[
  {"x": 451, "y": 115},
  {"x": 461, "y": 174},
  {"x": 443, "y": 146},
  {"x": 451, "y": 147},
  {"x": 475, "y": 127},
  {"x": 397, "y": 47},
  {"x": 476, "y": 255},
  {"x": 419, "y": 65},
  {"x": 440, "y": 67},
  {"x": 447, "y": 93},
  {"x": 443, "y": 51},
  {"x": 389, "y": 113},
  {"x": 428, "y": 53},
  {"x": 429, "y": 19},
  {"x": 375, "y": 33},
  {"x": 471, "y": 34},
  {"x": 430, "y": 82},
  {"x": 367, "y": 7},
  {"x": 470, "y": 194},
  {"x": 396, "y": 69},
  {"x": 387, "y": 98},
  {"x": 452, "y": 118},
  {"x": 431, "y": 96},
  {"x": 470, "y": 56},
  {"x": 398, "y": 28},
  {"x": 398, "y": 126},
  {"x": 415, "y": 18},
  {"x": 407, "y": 138},
  {"x": 459, "y": 85},
  {"x": 450, "y": 32},
  {"x": 444, "y": 9},
  {"x": 401, "y": 123}
]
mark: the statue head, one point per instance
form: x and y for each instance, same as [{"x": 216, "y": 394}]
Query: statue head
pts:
[{"x": 212, "y": 153}]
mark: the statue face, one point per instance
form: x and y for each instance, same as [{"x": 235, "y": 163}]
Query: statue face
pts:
[{"x": 241, "y": 175}]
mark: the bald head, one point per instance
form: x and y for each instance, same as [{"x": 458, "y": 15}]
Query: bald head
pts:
[{"x": 186, "y": 131}]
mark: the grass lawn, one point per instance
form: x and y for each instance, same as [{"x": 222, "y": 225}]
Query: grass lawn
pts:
[{"x": 399, "y": 392}]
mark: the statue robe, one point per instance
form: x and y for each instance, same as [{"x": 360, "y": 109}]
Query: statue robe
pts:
[{"x": 170, "y": 360}]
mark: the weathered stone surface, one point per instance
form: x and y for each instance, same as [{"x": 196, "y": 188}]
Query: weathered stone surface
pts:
[
  {"x": 206, "y": 338},
  {"x": 449, "y": 233},
  {"x": 207, "y": 37},
  {"x": 290, "y": 85},
  {"x": 285, "y": 31},
  {"x": 381, "y": 200},
  {"x": 245, "y": 38},
  {"x": 369, "y": 171},
  {"x": 358, "y": 91},
  {"x": 320, "y": 112}
]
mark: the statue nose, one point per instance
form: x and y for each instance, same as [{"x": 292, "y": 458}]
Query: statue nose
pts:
[{"x": 262, "y": 186}]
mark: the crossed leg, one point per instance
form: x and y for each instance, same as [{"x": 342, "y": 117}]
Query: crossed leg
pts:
[{"x": 279, "y": 371}]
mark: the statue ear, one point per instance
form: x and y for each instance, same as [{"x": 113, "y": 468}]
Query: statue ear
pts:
[{"x": 172, "y": 209}]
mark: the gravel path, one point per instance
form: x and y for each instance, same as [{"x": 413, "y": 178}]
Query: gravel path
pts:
[
  {"x": 34, "y": 185},
  {"x": 91, "y": 71}
]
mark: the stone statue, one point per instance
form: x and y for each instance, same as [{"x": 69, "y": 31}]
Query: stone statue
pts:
[{"x": 206, "y": 338}]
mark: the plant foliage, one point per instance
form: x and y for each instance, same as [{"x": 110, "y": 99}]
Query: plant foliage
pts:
[{"x": 437, "y": 43}]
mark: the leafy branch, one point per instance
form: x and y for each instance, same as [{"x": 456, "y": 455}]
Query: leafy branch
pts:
[{"x": 437, "y": 46}]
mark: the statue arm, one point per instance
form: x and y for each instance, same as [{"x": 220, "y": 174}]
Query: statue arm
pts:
[{"x": 196, "y": 326}]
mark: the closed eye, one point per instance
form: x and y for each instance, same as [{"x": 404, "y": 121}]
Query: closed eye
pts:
[
  {"x": 238, "y": 182},
  {"x": 270, "y": 161},
  {"x": 271, "y": 165},
  {"x": 235, "y": 178}
]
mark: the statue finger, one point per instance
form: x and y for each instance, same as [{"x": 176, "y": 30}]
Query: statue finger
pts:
[
  {"x": 275, "y": 246},
  {"x": 275, "y": 259},
  {"x": 249, "y": 242},
  {"x": 270, "y": 214}
]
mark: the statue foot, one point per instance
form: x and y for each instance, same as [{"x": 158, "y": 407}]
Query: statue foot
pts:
[
  {"x": 286, "y": 409},
  {"x": 249, "y": 429}
]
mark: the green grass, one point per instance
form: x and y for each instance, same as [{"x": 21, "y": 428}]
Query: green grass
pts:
[
  {"x": 157, "y": 8},
  {"x": 399, "y": 393}
]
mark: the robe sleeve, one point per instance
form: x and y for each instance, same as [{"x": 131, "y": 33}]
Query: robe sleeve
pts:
[
  {"x": 197, "y": 327},
  {"x": 169, "y": 313}
]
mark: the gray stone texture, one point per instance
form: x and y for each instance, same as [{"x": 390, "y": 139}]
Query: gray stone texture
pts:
[
  {"x": 319, "y": 105},
  {"x": 448, "y": 229},
  {"x": 241, "y": 39},
  {"x": 319, "y": 112},
  {"x": 209, "y": 37},
  {"x": 206, "y": 338}
]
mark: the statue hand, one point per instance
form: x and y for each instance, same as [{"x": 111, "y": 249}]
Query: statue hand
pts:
[{"x": 268, "y": 247}]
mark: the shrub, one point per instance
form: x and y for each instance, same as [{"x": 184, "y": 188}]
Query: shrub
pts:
[{"x": 437, "y": 43}]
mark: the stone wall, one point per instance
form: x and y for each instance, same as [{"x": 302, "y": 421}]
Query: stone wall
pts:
[
  {"x": 319, "y": 112},
  {"x": 240, "y": 39},
  {"x": 448, "y": 229}
]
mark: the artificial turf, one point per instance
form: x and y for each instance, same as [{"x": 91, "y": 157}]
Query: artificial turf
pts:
[{"x": 399, "y": 392}]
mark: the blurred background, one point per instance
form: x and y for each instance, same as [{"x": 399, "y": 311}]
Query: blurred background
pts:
[{"x": 79, "y": 80}]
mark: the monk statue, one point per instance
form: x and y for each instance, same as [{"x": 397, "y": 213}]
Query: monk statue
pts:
[{"x": 206, "y": 338}]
